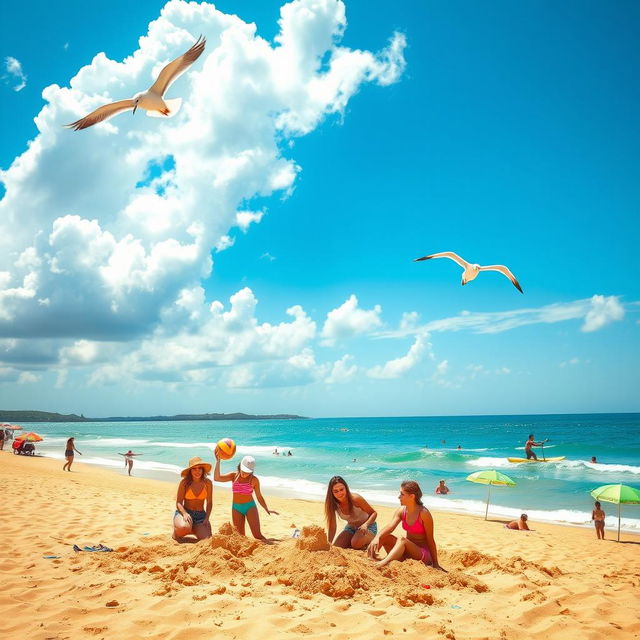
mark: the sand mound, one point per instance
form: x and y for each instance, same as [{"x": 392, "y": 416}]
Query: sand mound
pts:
[
  {"x": 483, "y": 564},
  {"x": 313, "y": 539},
  {"x": 313, "y": 567},
  {"x": 306, "y": 566}
]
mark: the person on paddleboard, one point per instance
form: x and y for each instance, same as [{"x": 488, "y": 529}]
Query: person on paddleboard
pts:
[{"x": 532, "y": 443}]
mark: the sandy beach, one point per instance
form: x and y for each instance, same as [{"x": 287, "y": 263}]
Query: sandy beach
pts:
[{"x": 553, "y": 582}]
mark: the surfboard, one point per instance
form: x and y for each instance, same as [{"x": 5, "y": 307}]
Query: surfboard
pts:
[{"x": 518, "y": 460}]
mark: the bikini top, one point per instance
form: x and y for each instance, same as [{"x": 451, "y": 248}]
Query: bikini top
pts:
[
  {"x": 245, "y": 488},
  {"x": 189, "y": 495},
  {"x": 416, "y": 528},
  {"x": 354, "y": 519}
]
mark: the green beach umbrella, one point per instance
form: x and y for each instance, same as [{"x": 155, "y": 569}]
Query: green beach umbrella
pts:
[
  {"x": 491, "y": 477},
  {"x": 618, "y": 494}
]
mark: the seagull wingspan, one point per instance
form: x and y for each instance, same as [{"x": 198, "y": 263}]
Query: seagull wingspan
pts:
[
  {"x": 446, "y": 254},
  {"x": 174, "y": 69},
  {"x": 502, "y": 269},
  {"x": 100, "y": 114}
]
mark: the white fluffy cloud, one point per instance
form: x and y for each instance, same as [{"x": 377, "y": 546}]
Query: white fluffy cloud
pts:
[
  {"x": 342, "y": 371},
  {"x": 196, "y": 342},
  {"x": 106, "y": 234},
  {"x": 101, "y": 230},
  {"x": 400, "y": 366},
  {"x": 603, "y": 310},
  {"x": 349, "y": 320}
]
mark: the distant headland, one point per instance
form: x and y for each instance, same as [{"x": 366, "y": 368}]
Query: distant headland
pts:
[{"x": 46, "y": 416}]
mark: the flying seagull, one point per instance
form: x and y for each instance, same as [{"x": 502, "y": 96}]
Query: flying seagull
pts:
[
  {"x": 471, "y": 271},
  {"x": 152, "y": 99}
]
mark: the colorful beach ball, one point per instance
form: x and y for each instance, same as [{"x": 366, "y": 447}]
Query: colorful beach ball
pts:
[{"x": 226, "y": 448}]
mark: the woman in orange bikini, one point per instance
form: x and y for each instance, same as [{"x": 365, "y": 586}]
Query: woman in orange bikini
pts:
[
  {"x": 243, "y": 507},
  {"x": 417, "y": 522},
  {"x": 194, "y": 490}
]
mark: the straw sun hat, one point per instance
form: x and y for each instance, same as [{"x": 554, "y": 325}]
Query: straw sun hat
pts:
[{"x": 196, "y": 462}]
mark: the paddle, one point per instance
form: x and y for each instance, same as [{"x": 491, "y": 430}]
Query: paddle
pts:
[{"x": 544, "y": 459}]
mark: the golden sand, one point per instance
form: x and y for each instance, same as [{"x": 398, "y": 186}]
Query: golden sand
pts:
[{"x": 553, "y": 582}]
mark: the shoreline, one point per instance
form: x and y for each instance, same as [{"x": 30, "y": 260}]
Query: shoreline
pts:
[
  {"x": 495, "y": 510},
  {"x": 550, "y": 583}
]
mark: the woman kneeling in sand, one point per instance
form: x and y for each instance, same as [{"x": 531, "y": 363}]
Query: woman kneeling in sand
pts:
[
  {"x": 194, "y": 490},
  {"x": 417, "y": 522},
  {"x": 361, "y": 524}
]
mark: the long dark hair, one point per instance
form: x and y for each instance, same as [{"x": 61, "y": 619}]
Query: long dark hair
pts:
[
  {"x": 330, "y": 502},
  {"x": 70, "y": 443},
  {"x": 413, "y": 488}
]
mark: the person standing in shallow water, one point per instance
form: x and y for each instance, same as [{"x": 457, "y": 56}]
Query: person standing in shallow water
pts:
[{"x": 68, "y": 454}]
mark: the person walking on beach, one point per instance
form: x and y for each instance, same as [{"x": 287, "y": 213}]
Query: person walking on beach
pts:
[
  {"x": 361, "y": 524},
  {"x": 195, "y": 489},
  {"x": 243, "y": 506},
  {"x": 417, "y": 522},
  {"x": 598, "y": 515},
  {"x": 1, "y": 438},
  {"x": 531, "y": 443},
  {"x": 128, "y": 459},
  {"x": 68, "y": 454}
]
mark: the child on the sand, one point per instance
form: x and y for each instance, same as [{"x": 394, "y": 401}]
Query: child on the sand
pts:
[
  {"x": 361, "y": 524},
  {"x": 519, "y": 525},
  {"x": 243, "y": 507},
  {"x": 598, "y": 515},
  {"x": 194, "y": 490},
  {"x": 417, "y": 522}
]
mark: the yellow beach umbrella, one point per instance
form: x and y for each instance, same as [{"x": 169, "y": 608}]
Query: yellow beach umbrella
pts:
[{"x": 491, "y": 477}]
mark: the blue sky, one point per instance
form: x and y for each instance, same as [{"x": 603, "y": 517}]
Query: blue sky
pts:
[{"x": 355, "y": 137}]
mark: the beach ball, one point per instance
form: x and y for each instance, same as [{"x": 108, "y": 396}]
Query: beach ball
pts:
[{"x": 226, "y": 448}]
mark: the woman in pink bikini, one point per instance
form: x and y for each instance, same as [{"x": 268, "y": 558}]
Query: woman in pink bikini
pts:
[
  {"x": 417, "y": 522},
  {"x": 243, "y": 507}
]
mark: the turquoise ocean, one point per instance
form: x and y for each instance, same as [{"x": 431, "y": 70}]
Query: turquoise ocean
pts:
[{"x": 375, "y": 454}]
